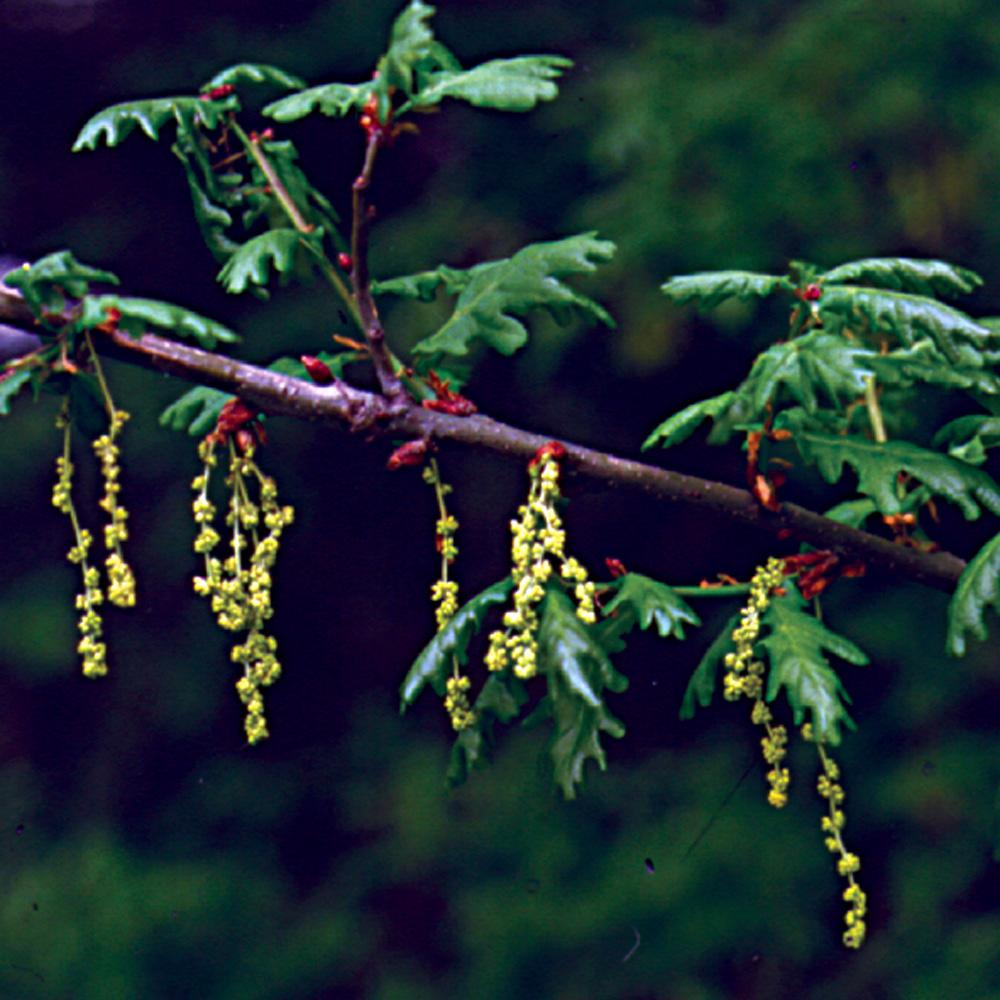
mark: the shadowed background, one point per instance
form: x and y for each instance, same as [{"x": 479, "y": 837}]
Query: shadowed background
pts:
[{"x": 145, "y": 852}]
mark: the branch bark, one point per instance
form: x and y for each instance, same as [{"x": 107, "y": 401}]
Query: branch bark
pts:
[{"x": 344, "y": 407}]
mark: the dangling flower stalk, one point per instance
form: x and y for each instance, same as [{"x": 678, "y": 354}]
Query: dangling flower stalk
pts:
[
  {"x": 240, "y": 590},
  {"x": 745, "y": 677},
  {"x": 539, "y": 540},
  {"x": 444, "y": 594},
  {"x": 90, "y": 625}
]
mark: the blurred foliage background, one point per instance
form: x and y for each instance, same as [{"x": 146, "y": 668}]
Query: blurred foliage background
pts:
[{"x": 145, "y": 852}]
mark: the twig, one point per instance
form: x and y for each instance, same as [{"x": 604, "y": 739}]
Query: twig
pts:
[
  {"x": 361, "y": 219},
  {"x": 343, "y": 406}
]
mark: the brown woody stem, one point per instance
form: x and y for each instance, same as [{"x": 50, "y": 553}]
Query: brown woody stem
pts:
[{"x": 340, "y": 405}]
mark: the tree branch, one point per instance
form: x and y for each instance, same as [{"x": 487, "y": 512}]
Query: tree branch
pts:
[{"x": 344, "y": 407}]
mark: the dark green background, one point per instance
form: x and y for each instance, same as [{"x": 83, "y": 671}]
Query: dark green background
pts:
[{"x": 145, "y": 852}]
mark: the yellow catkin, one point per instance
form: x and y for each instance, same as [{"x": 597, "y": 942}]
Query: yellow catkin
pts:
[
  {"x": 848, "y": 865},
  {"x": 444, "y": 594},
  {"x": 538, "y": 548},
  {"x": 744, "y": 678},
  {"x": 239, "y": 587}
]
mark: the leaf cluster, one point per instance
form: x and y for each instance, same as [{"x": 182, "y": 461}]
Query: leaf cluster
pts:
[{"x": 867, "y": 339}]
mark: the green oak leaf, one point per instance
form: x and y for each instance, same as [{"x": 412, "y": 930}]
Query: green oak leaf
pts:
[
  {"x": 904, "y": 274},
  {"x": 500, "y": 701},
  {"x": 504, "y": 84},
  {"x": 434, "y": 663},
  {"x": 113, "y": 125},
  {"x": 796, "y": 644},
  {"x": 577, "y": 671},
  {"x": 644, "y": 601},
  {"x": 11, "y": 383},
  {"x": 491, "y": 296},
  {"x": 253, "y": 73},
  {"x": 252, "y": 263},
  {"x": 137, "y": 315},
  {"x": 46, "y": 283},
  {"x": 709, "y": 288},
  {"x": 879, "y": 464},
  {"x": 332, "y": 99},
  {"x": 701, "y": 687},
  {"x": 978, "y": 588},
  {"x": 684, "y": 423}
]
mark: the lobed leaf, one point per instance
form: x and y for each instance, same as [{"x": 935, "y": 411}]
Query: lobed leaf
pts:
[
  {"x": 500, "y": 700},
  {"x": 434, "y": 663},
  {"x": 879, "y": 465},
  {"x": 137, "y": 315},
  {"x": 494, "y": 294},
  {"x": 904, "y": 274},
  {"x": 816, "y": 367},
  {"x": 114, "y": 124},
  {"x": 332, "y": 99},
  {"x": 196, "y": 412},
  {"x": 701, "y": 687},
  {"x": 924, "y": 363},
  {"x": 904, "y": 316},
  {"x": 410, "y": 41},
  {"x": 516, "y": 84},
  {"x": 252, "y": 262},
  {"x": 969, "y": 438},
  {"x": 683, "y": 424},
  {"x": 11, "y": 383},
  {"x": 46, "y": 283},
  {"x": 577, "y": 671},
  {"x": 640, "y": 599},
  {"x": 709, "y": 288},
  {"x": 796, "y": 644},
  {"x": 978, "y": 589},
  {"x": 255, "y": 73}
]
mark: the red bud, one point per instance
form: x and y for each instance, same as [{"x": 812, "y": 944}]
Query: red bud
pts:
[
  {"x": 345, "y": 261},
  {"x": 615, "y": 566},
  {"x": 318, "y": 371},
  {"x": 411, "y": 453}
]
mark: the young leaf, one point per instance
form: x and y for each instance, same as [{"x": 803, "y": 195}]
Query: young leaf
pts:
[
  {"x": 137, "y": 315},
  {"x": 643, "y": 600},
  {"x": 701, "y": 687},
  {"x": 46, "y": 283},
  {"x": 796, "y": 643},
  {"x": 924, "y": 363},
  {"x": 252, "y": 262},
  {"x": 253, "y": 73},
  {"x": 683, "y": 424},
  {"x": 196, "y": 412},
  {"x": 11, "y": 383},
  {"x": 852, "y": 512},
  {"x": 904, "y": 316},
  {"x": 435, "y": 661},
  {"x": 500, "y": 700},
  {"x": 810, "y": 368},
  {"x": 577, "y": 671},
  {"x": 968, "y": 438},
  {"x": 198, "y": 409},
  {"x": 879, "y": 465},
  {"x": 495, "y": 293},
  {"x": 114, "y": 124},
  {"x": 978, "y": 588},
  {"x": 924, "y": 277},
  {"x": 410, "y": 41},
  {"x": 505, "y": 84},
  {"x": 332, "y": 99},
  {"x": 708, "y": 288}
]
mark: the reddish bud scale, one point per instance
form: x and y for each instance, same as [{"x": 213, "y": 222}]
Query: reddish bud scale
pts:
[
  {"x": 812, "y": 293},
  {"x": 460, "y": 407},
  {"x": 218, "y": 93},
  {"x": 110, "y": 325},
  {"x": 317, "y": 370},
  {"x": 411, "y": 453},
  {"x": 551, "y": 449},
  {"x": 615, "y": 566}
]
